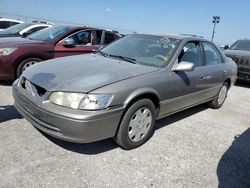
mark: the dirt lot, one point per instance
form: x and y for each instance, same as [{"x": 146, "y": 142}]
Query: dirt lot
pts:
[{"x": 199, "y": 147}]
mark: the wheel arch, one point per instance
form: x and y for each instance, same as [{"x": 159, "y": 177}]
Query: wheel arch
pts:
[
  {"x": 144, "y": 93},
  {"x": 229, "y": 82},
  {"x": 20, "y": 60},
  {"x": 147, "y": 93}
]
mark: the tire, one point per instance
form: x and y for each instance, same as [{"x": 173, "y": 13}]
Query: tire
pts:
[
  {"x": 217, "y": 102},
  {"x": 26, "y": 63},
  {"x": 142, "y": 114}
]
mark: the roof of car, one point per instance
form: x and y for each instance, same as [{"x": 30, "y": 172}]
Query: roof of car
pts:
[
  {"x": 86, "y": 27},
  {"x": 245, "y": 39},
  {"x": 27, "y": 24},
  {"x": 177, "y": 36},
  {"x": 68, "y": 26},
  {"x": 11, "y": 20},
  {"x": 39, "y": 24}
]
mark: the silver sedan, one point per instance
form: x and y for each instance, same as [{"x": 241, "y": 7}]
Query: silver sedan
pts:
[{"x": 121, "y": 90}]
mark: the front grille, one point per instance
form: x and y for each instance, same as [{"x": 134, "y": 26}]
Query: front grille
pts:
[
  {"x": 40, "y": 90},
  {"x": 244, "y": 61},
  {"x": 32, "y": 88}
]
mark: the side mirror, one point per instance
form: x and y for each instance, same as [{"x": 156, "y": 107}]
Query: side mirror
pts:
[
  {"x": 226, "y": 47},
  {"x": 69, "y": 42},
  {"x": 184, "y": 66},
  {"x": 24, "y": 35}
]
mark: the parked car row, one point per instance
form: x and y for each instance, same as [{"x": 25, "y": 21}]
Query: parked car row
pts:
[
  {"x": 23, "y": 29},
  {"x": 110, "y": 85}
]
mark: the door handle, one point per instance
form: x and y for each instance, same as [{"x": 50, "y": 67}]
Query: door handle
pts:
[
  {"x": 205, "y": 77},
  {"x": 225, "y": 72}
]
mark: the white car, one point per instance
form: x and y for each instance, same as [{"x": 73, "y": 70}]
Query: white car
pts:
[
  {"x": 23, "y": 29},
  {"x": 6, "y": 23}
]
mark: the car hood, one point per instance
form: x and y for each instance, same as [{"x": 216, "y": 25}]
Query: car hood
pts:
[
  {"x": 235, "y": 53},
  {"x": 16, "y": 41},
  {"x": 82, "y": 73}
]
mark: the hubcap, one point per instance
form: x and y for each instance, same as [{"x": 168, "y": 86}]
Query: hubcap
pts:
[
  {"x": 222, "y": 94},
  {"x": 28, "y": 64},
  {"x": 139, "y": 124}
]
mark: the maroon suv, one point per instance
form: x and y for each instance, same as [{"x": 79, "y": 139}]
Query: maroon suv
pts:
[{"x": 17, "y": 54}]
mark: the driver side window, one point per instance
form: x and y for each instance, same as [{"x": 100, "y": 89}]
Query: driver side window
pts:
[
  {"x": 191, "y": 52},
  {"x": 82, "y": 38}
]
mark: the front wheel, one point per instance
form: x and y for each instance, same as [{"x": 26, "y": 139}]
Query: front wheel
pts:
[
  {"x": 137, "y": 124},
  {"x": 26, "y": 64},
  {"x": 220, "y": 98}
]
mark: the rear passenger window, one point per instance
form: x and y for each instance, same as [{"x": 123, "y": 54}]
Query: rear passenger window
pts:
[
  {"x": 109, "y": 38},
  {"x": 212, "y": 55},
  {"x": 98, "y": 37},
  {"x": 191, "y": 52},
  {"x": 13, "y": 23},
  {"x": 4, "y": 24}
]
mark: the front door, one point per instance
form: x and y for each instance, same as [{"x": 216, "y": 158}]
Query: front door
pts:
[
  {"x": 83, "y": 42},
  {"x": 189, "y": 87}
]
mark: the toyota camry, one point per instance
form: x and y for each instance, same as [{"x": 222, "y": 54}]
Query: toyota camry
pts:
[{"x": 122, "y": 89}]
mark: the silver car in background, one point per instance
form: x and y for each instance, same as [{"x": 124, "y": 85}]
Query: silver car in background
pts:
[{"x": 121, "y": 90}]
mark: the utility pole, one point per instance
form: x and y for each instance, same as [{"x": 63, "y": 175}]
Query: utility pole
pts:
[{"x": 216, "y": 19}]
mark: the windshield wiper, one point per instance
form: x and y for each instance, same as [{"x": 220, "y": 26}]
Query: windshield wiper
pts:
[
  {"x": 103, "y": 53},
  {"x": 128, "y": 59}
]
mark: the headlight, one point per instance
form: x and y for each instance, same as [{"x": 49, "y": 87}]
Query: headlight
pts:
[
  {"x": 81, "y": 101},
  {"x": 95, "y": 102},
  {"x": 6, "y": 51}
]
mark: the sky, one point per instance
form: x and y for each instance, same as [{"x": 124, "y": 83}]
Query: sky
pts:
[{"x": 144, "y": 16}]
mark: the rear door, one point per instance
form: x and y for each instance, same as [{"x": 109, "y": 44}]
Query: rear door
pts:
[
  {"x": 215, "y": 68},
  {"x": 85, "y": 41},
  {"x": 187, "y": 88}
]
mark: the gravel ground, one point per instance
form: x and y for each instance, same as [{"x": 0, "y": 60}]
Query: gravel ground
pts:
[{"x": 199, "y": 147}]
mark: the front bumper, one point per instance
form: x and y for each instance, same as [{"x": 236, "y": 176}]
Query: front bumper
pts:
[
  {"x": 7, "y": 69},
  {"x": 89, "y": 127},
  {"x": 244, "y": 74}
]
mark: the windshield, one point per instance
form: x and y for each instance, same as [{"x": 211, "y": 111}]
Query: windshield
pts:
[
  {"x": 147, "y": 50},
  {"x": 16, "y": 28},
  {"x": 241, "y": 45},
  {"x": 49, "y": 34}
]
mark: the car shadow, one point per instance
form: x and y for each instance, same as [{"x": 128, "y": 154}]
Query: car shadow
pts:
[
  {"x": 184, "y": 77},
  {"x": 234, "y": 167},
  {"x": 86, "y": 149},
  {"x": 180, "y": 115},
  {"x": 241, "y": 83},
  {"x": 108, "y": 144},
  {"x": 6, "y": 83},
  {"x": 8, "y": 112}
]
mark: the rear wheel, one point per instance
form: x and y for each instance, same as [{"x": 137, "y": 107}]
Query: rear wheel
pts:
[
  {"x": 26, "y": 64},
  {"x": 137, "y": 124},
  {"x": 220, "y": 98}
]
